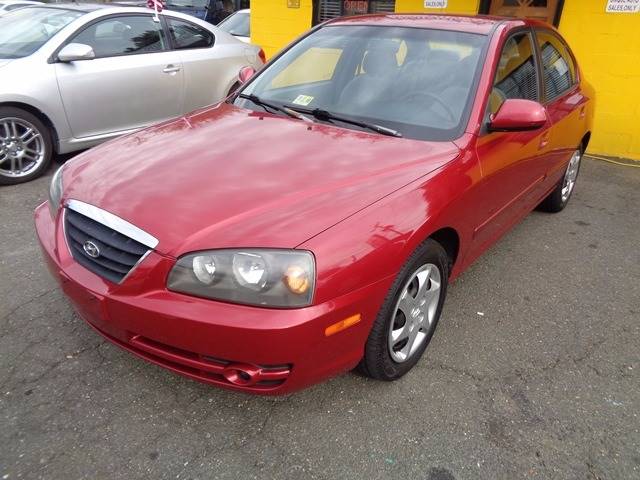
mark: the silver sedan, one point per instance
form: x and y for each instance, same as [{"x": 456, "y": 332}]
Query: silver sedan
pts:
[{"x": 73, "y": 75}]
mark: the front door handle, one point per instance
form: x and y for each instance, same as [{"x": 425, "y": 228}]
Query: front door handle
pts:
[
  {"x": 544, "y": 141},
  {"x": 583, "y": 112},
  {"x": 171, "y": 69}
]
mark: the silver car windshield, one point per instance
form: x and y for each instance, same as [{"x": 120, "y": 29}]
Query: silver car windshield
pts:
[
  {"x": 418, "y": 82},
  {"x": 24, "y": 31}
]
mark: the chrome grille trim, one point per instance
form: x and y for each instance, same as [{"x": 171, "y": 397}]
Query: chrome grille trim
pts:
[{"x": 114, "y": 222}]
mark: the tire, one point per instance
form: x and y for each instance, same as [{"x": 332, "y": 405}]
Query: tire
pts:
[
  {"x": 17, "y": 145},
  {"x": 384, "y": 349},
  {"x": 560, "y": 196}
]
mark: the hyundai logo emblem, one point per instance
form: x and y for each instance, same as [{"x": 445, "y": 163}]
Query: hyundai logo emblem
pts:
[{"x": 91, "y": 249}]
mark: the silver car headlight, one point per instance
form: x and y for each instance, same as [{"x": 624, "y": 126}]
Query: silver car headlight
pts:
[
  {"x": 55, "y": 192},
  {"x": 251, "y": 276}
]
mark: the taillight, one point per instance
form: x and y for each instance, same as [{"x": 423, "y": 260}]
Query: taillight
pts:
[{"x": 262, "y": 56}]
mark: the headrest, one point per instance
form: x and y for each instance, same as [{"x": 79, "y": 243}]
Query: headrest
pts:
[{"x": 380, "y": 57}]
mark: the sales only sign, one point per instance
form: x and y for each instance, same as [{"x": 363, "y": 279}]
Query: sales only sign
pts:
[{"x": 623, "y": 6}]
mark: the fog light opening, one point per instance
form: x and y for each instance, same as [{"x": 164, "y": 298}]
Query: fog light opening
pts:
[{"x": 242, "y": 375}]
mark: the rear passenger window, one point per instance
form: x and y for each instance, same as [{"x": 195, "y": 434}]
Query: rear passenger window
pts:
[
  {"x": 557, "y": 65},
  {"x": 516, "y": 76},
  {"x": 123, "y": 36},
  {"x": 186, "y": 35}
]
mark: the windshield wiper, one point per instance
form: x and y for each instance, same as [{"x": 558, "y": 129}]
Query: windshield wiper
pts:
[
  {"x": 264, "y": 104},
  {"x": 324, "y": 115}
]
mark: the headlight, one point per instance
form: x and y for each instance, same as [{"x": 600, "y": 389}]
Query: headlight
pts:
[
  {"x": 55, "y": 192},
  {"x": 265, "y": 277}
]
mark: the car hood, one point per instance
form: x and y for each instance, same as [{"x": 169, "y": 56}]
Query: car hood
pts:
[
  {"x": 229, "y": 177},
  {"x": 4, "y": 62}
]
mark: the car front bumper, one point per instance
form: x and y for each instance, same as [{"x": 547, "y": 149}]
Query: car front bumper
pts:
[{"x": 257, "y": 350}]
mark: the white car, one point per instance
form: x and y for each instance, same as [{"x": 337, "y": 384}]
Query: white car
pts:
[
  {"x": 238, "y": 24},
  {"x": 75, "y": 75},
  {"x": 7, "y": 6}
]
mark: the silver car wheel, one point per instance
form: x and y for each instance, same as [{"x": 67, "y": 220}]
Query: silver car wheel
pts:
[
  {"x": 22, "y": 147},
  {"x": 415, "y": 312},
  {"x": 571, "y": 175}
]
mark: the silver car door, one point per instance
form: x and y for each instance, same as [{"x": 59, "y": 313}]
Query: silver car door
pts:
[
  {"x": 135, "y": 79},
  {"x": 209, "y": 66}
]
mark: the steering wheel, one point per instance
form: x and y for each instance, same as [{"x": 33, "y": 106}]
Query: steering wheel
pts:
[{"x": 435, "y": 99}]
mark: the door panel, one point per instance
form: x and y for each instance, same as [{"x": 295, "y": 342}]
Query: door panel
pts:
[
  {"x": 566, "y": 103},
  {"x": 208, "y": 68},
  {"x": 513, "y": 163},
  {"x": 544, "y": 10},
  {"x": 133, "y": 82}
]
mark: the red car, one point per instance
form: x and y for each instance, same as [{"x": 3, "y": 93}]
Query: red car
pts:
[{"x": 311, "y": 222}]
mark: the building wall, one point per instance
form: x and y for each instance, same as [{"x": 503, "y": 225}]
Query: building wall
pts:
[
  {"x": 274, "y": 24},
  {"x": 607, "y": 46}
]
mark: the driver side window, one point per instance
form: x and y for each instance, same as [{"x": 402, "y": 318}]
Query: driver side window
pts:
[
  {"x": 123, "y": 35},
  {"x": 517, "y": 75}
]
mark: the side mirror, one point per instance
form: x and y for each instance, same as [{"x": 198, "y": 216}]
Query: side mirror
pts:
[
  {"x": 245, "y": 74},
  {"x": 76, "y": 51},
  {"x": 518, "y": 115}
]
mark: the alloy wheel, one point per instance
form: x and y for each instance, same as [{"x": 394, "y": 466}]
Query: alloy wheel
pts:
[
  {"x": 415, "y": 312},
  {"x": 571, "y": 175},
  {"x": 22, "y": 147}
]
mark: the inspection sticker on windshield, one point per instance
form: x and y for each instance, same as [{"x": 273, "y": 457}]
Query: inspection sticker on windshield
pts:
[{"x": 303, "y": 100}]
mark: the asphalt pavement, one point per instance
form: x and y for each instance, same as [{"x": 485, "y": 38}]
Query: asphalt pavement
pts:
[{"x": 534, "y": 372}]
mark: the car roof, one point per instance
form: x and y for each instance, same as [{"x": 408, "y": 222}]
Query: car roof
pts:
[
  {"x": 19, "y": 2},
  {"x": 80, "y": 7},
  {"x": 96, "y": 7},
  {"x": 481, "y": 24}
]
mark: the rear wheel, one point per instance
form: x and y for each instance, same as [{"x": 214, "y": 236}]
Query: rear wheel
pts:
[
  {"x": 559, "y": 197},
  {"x": 406, "y": 322},
  {"x": 25, "y": 146}
]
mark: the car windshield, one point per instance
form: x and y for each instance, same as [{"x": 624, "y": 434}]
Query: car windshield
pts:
[
  {"x": 418, "y": 82},
  {"x": 24, "y": 31},
  {"x": 236, "y": 24}
]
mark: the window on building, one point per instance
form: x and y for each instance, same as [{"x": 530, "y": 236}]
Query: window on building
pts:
[
  {"x": 516, "y": 76},
  {"x": 186, "y": 35},
  {"x": 557, "y": 64},
  {"x": 123, "y": 36},
  {"x": 328, "y": 9}
]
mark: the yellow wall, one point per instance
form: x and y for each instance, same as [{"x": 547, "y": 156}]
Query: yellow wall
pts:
[
  {"x": 274, "y": 24},
  {"x": 607, "y": 46},
  {"x": 453, "y": 6}
]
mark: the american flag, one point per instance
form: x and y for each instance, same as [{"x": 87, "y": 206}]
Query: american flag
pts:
[{"x": 156, "y": 5}]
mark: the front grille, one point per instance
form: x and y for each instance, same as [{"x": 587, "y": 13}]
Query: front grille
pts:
[{"x": 117, "y": 253}]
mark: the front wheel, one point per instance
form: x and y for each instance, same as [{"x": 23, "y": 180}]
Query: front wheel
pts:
[
  {"x": 25, "y": 146},
  {"x": 559, "y": 197},
  {"x": 406, "y": 322}
]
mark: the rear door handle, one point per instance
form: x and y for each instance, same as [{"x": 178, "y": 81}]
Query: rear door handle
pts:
[{"x": 171, "y": 69}]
